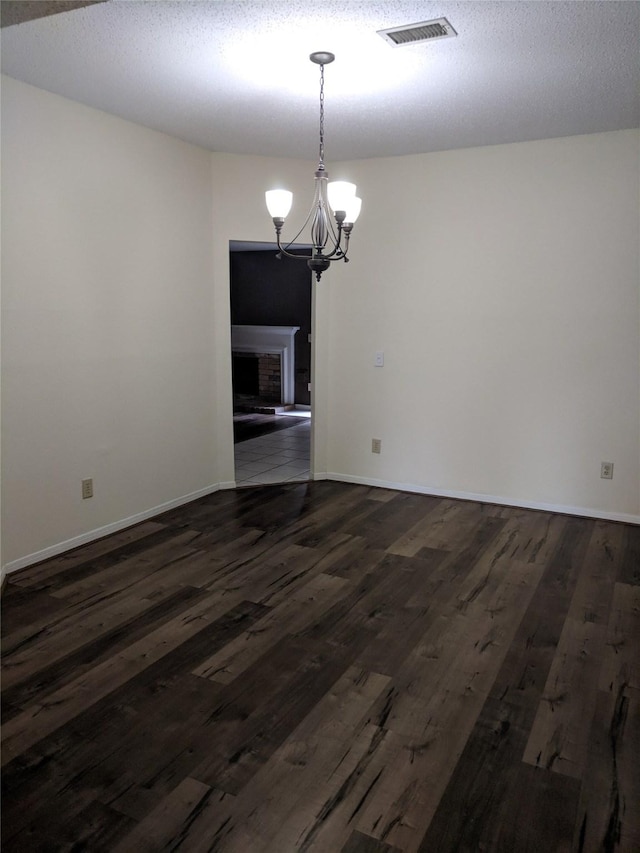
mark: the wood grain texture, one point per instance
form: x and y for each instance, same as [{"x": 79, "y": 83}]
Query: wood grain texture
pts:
[{"x": 332, "y": 668}]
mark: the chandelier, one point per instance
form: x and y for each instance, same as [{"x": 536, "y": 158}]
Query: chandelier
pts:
[{"x": 332, "y": 201}]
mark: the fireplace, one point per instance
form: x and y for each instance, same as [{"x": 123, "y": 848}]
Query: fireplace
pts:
[
  {"x": 258, "y": 375},
  {"x": 263, "y": 359}
]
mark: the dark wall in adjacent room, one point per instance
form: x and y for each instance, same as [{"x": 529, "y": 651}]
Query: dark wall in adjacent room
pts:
[{"x": 266, "y": 291}]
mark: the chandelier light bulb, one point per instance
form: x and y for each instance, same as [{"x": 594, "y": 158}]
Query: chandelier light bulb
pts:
[
  {"x": 353, "y": 210},
  {"x": 279, "y": 203},
  {"x": 340, "y": 194}
]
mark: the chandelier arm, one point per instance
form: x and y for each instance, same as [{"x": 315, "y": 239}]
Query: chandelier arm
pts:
[
  {"x": 312, "y": 211},
  {"x": 283, "y": 251},
  {"x": 338, "y": 239},
  {"x": 293, "y": 239},
  {"x": 337, "y": 253}
]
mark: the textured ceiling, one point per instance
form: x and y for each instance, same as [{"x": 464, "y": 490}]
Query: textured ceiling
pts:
[{"x": 234, "y": 76}]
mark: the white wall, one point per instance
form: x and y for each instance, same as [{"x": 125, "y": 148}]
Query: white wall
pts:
[
  {"x": 502, "y": 284},
  {"x": 107, "y": 320},
  {"x": 116, "y": 316}
]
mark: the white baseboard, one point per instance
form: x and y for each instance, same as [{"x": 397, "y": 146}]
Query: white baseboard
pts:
[
  {"x": 114, "y": 527},
  {"x": 588, "y": 512}
]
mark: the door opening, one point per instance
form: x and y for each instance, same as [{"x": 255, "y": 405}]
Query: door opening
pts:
[{"x": 271, "y": 364}]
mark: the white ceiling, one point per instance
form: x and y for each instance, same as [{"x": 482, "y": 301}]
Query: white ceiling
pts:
[{"x": 234, "y": 76}]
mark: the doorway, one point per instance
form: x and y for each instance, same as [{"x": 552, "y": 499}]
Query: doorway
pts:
[{"x": 271, "y": 364}]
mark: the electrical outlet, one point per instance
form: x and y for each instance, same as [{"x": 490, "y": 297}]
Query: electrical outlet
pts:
[
  {"x": 379, "y": 359},
  {"x": 376, "y": 445},
  {"x": 87, "y": 489},
  {"x": 606, "y": 470}
]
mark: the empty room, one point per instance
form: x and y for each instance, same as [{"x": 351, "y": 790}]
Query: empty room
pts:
[{"x": 320, "y": 426}]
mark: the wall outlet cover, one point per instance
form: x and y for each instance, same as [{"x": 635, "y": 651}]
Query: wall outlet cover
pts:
[{"x": 606, "y": 470}]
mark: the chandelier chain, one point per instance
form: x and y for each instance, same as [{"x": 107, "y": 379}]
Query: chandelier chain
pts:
[{"x": 321, "y": 153}]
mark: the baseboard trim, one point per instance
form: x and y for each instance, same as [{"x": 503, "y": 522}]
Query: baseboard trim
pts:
[
  {"x": 587, "y": 512},
  {"x": 114, "y": 527}
]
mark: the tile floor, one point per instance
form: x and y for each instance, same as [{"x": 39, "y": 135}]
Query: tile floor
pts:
[{"x": 279, "y": 457}]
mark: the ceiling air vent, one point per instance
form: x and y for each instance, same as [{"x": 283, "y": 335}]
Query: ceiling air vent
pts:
[{"x": 414, "y": 33}]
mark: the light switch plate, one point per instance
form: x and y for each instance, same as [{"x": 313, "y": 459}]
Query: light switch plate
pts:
[{"x": 379, "y": 359}]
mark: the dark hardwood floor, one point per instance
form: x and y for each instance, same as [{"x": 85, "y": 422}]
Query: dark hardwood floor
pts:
[{"x": 327, "y": 667}]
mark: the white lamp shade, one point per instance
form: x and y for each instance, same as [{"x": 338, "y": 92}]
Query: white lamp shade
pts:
[
  {"x": 279, "y": 203},
  {"x": 353, "y": 209},
  {"x": 339, "y": 193}
]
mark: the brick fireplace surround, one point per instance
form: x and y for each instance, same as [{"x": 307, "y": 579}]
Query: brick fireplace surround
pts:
[{"x": 274, "y": 346}]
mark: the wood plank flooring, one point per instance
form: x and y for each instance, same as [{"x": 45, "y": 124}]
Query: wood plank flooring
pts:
[{"x": 332, "y": 668}]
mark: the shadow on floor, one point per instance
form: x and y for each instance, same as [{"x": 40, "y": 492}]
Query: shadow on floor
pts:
[{"x": 252, "y": 425}]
